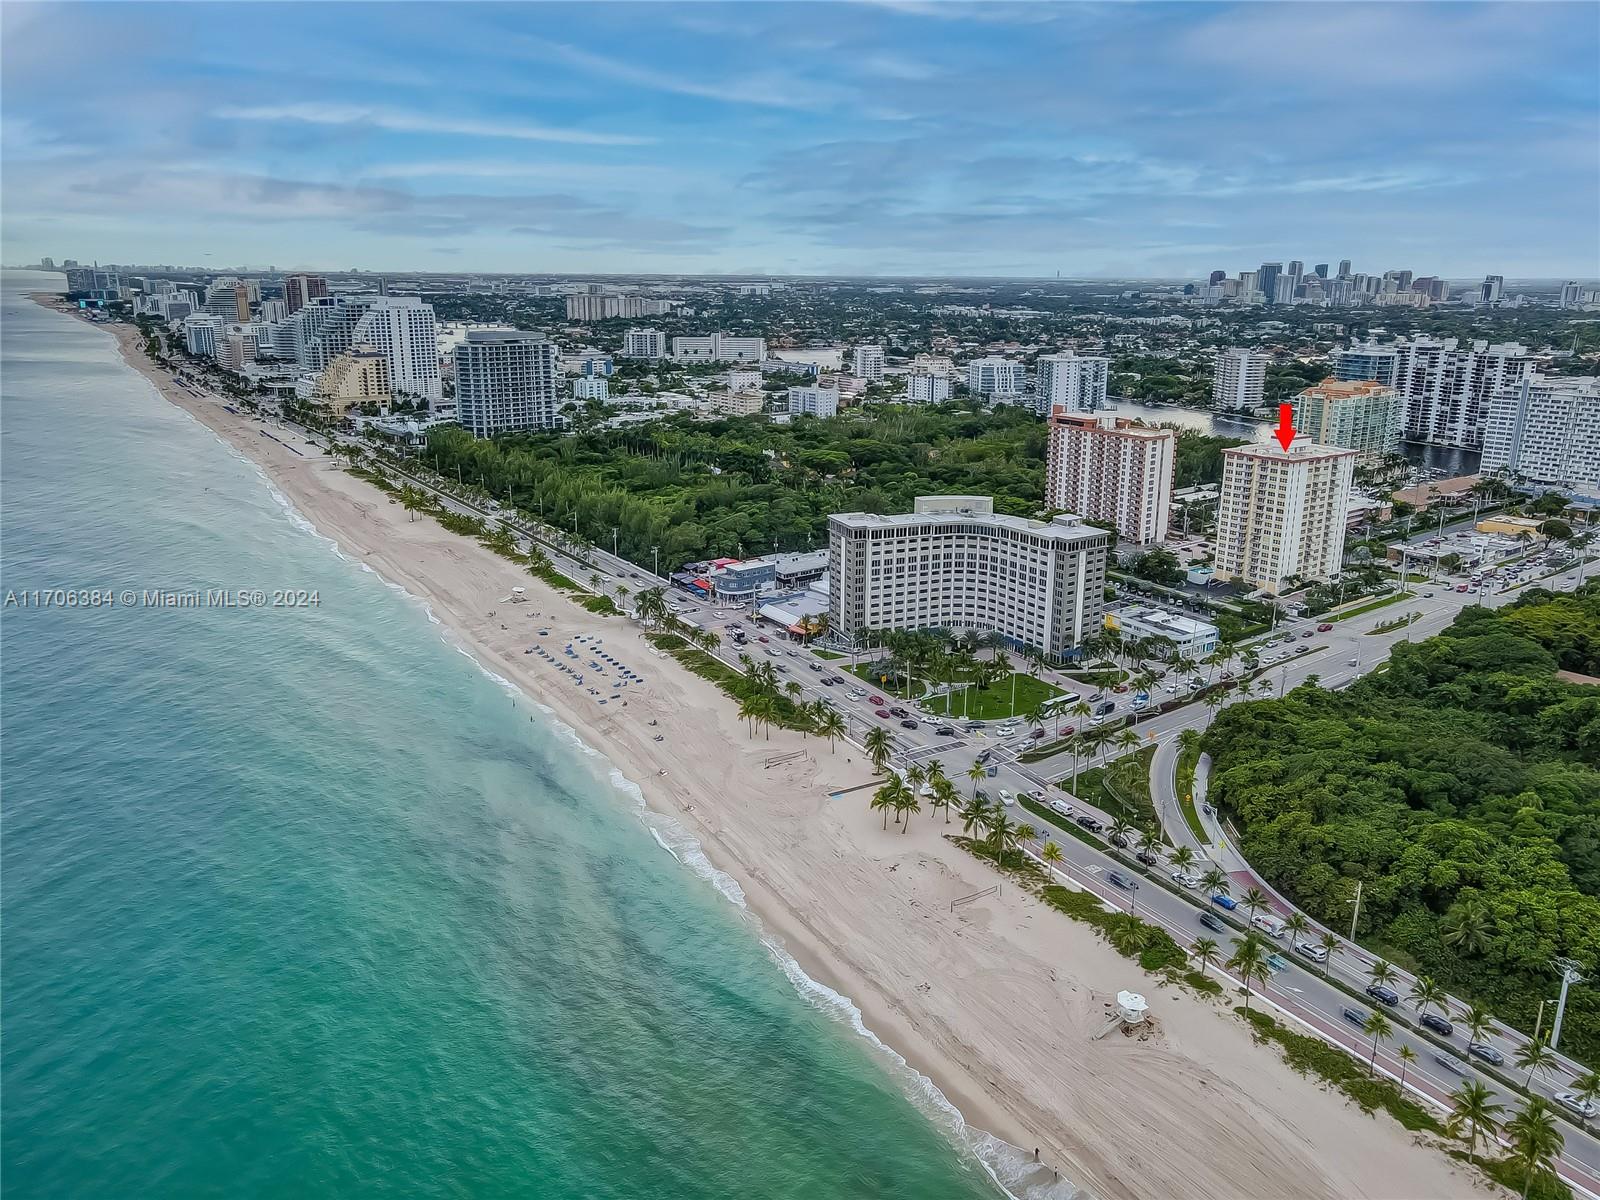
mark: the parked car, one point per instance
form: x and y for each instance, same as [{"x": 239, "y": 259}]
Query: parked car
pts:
[
  {"x": 1118, "y": 879},
  {"x": 1222, "y": 900},
  {"x": 1210, "y": 921},
  {"x": 1486, "y": 1052},
  {"x": 1436, "y": 1023},
  {"x": 1576, "y": 1105},
  {"x": 1325, "y": 627},
  {"x": 1386, "y": 996}
]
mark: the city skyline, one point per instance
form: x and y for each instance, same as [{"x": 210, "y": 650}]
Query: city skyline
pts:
[{"x": 885, "y": 139}]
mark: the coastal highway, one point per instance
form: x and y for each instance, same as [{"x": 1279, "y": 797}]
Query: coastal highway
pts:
[{"x": 1298, "y": 988}]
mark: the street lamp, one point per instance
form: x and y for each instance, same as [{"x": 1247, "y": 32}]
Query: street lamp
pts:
[{"x": 1570, "y": 974}]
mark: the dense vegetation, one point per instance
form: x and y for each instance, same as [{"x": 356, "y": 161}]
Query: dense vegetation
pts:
[
  {"x": 745, "y": 485},
  {"x": 1460, "y": 786}
]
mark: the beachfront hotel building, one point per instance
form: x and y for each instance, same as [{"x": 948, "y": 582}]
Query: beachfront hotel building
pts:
[
  {"x": 358, "y": 376},
  {"x": 1070, "y": 381},
  {"x": 506, "y": 381},
  {"x": 1239, "y": 378},
  {"x": 1281, "y": 513},
  {"x": 402, "y": 327},
  {"x": 1546, "y": 429},
  {"x": 1360, "y": 415},
  {"x": 954, "y": 563},
  {"x": 1109, "y": 469}
]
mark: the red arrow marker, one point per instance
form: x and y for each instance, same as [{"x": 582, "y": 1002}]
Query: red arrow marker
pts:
[{"x": 1285, "y": 430}]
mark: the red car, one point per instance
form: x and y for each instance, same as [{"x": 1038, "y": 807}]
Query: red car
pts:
[
  {"x": 1461, "y": 587},
  {"x": 876, "y": 701},
  {"x": 884, "y": 713},
  {"x": 761, "y": 639},
  {"x": 1066, "y": 731},
  {"x": 1325, "y": 627},
  {"x": 1120, "y": 688}
]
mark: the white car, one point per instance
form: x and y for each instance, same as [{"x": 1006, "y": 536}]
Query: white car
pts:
[
  {"x": 1006, "y": 731},
  {"x": 1007, "y": 798},
  {"x": 1576, "y": 1105},
  {"x": 1062, "y": 807},
  {"x": 1186, "y": 879}
]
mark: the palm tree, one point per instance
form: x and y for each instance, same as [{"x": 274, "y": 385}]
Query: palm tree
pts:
[
  {"x": 1215, "y": 882},
  {"x": 1253, "y": 899},
  {"x": 1426, "y": 993},
  {"x": 1535, "y": 1141},
  {"x": 1213, "y": 701},
  {"x": 1407, "y": 1056},
  {"x": 1149, "y": 842},
  {"x": 944, "y": 793},
  {"x": 1478, "y": 1022},
  {"x": 877, "y": 747},
  {"x": 651, "y": 605},
  {"x": 1182, "y": 858},
  {"x": 1466, "y": 926},
  {"x": 908, "y": 804},
  {"x": 766, "y": 711},
  {"x": 1119, "y": 831},
  {"x": 1249, "y": 962},
  {"x": 916, "y": 776},
  {"x": 975, "y": 816},
  {"x": 1473, "y": 1109},
  {"x": 1379, "y": 1030},
  {"x": 1127, "y": 740},
  {"x": 1204, "y": 952},
  {"x": 831, "y": 726},
  {"x": 1297, "y": 925},
  {"x": 747, "y": 712},
  {"x": 794, "y": 689},
  {"x": 1001, "y": 835},
  {"x": 976, "y": 773},
  {"x": 1535, "y": 1056},
  {"x": 1039, "y": 716},
  {"x": 1331, "y": 945},
  {"x": 1587, "y": 1086},
  {"x": 1051, "y": 854},
  {"x": 883, "y": 801},
  {"x": 412, "y": 498},
  {"x": 1381, "y": 973}
]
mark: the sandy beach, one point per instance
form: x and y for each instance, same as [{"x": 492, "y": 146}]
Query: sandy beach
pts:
[{"x": 996, "y": 1003}]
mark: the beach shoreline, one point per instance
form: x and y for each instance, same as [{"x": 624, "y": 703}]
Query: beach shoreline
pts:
[{"x": 994, "y": 1004}]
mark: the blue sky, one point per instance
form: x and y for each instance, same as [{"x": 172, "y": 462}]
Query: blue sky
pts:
[{"x": 904, "y": 137}]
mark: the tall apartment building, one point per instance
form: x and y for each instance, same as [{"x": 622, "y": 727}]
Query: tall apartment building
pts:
[
  {"x": 1110, "y": 469},
  {"x": 301, "y": 290},
  {"x": 866, "y": 362},
  {"x": 925, "y": 387},
  {"x": 605, "y": 308},
  {"x": 506, "y": 381},
  {"x": 1571, "y": 294},
  {"x": 1546, "y": 429},
  {"x": 1492, "y": 289},
  {"x": 991, "y": 376},
  {"x": 202, "y": 333},
  {"x": 953, "y": 563},
  {"x": 717, "y": 348},
  {"x": 814, "y": 401},
  {"x": 1446, "y": 388},
  {"x": 1359, "y": 415},
  {"x": 591, "y": 387},
  {"x": 358, "y": 376},
  {"x": 1077, "y": 383},
  {"x": 1267, "y": 280},
  {"x": 1281, "y": 513},
  {"x": 644, "y": 343},
  {"x": 1239, "y": 379},
  {"x": 739, "y": 404},
  {"x": 229, "y": 299},
  {"x": 403, "y": 327}
]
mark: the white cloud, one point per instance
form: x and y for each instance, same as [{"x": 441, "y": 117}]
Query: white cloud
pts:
[{"x": 398, "y": 121}]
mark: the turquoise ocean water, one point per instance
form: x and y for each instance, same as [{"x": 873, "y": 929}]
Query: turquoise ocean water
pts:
[{"x": 297, "y": 903}]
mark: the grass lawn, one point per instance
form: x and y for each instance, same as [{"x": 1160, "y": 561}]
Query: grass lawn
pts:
[
  {"x": 1187, "y": 760},
  {"x": 1393, "y": 598},
  {"x": 1122, "y": 788},
  {"x": 994, "y": 701},
  {"x": 827, "y": 654}
]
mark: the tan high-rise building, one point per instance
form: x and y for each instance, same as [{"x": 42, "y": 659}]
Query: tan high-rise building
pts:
[
  {"x": 1281, "y": 512},
  {"x": 1360, "y": 415},
  {"x": 358, "y": 376},
  {"x": 1107, "y": 468}
]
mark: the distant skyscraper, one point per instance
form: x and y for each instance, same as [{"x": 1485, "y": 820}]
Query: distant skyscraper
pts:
[
  {"x": 1320, "y": 270},
  {"x": 1492, "y": 289},
  {"x": 47, "y": 263},
  {"x": 1571, "y": 294},
  {"x": 301, "y": 290},
  {"x": 229, "y": 299},
  {"x": 1344, "y": 268},
  {"x": 1216, "y": 278},
  {"x": 1110, "y": 469},
  {"x": 1076, "y": 383},
  {"x": 1267, "y": 279},
  {"x": 1239, "y": 378},
  {"x": 403, "y": 327},
  {"x": 1296, "y": 268},
  {"x": 1281, "y": 513},
  {"x": 506, "y": 381}
]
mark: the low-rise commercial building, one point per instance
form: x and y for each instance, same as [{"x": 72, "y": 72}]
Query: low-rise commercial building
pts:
[
  {"x": 954, "y": 563},
  {"x": 1183, "y": 637}
]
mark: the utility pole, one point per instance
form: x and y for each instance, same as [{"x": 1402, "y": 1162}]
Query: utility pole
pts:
[
  {"x": 1356, "y": 915},
  {"x": 656, "y": 550},
  {"x": 613, "y": 541},
  {"x": 1570, "y": 974}
]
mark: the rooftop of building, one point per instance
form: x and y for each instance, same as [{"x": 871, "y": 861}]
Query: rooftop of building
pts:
[
  {"x": 504, "y": 335},
  {"x": 1301, "y": 449},
  {"x": 978, "y": 510},
  {"x": 1110, "y": 423},
  {"x": 1341, "y": 388},
  {"x": 1176, "y": 624}
]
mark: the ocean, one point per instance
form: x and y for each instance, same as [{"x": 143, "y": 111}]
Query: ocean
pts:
[{"x": 302, "y": 903}]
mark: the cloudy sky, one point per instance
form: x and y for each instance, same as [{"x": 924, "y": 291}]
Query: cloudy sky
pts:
[{"x": 901, "y": 137}]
